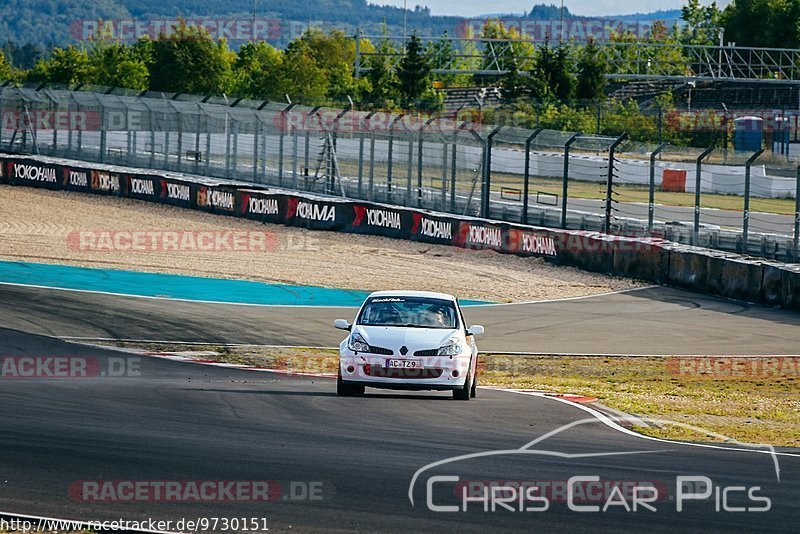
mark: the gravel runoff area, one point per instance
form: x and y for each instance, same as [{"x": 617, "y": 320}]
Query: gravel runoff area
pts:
[{"x": 52, "y": 227}]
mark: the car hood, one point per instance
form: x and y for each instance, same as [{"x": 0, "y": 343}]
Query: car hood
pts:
[{"x": 393, "y": 337}]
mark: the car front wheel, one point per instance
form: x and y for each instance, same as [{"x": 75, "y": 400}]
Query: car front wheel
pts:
[
  {"x": 465, "y": 392},
  {"x": 347, "y": 390}
]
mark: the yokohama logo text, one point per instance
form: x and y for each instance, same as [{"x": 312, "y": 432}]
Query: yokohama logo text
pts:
[
  {"x": 538, "y": 244},
  {"x": 263, "y": 206},
  {"x": 34, "y": 173},
  {"x": 315, "y": 212},
  {"x": 438, "y": 229},
  {"x": 385, "y": 218},
  {"x": 142, "y": 187},
  {"x": 481, "y": 235}
]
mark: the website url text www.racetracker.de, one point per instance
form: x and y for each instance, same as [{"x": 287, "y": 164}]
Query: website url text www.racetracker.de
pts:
[{"x": 198, "y": 524}]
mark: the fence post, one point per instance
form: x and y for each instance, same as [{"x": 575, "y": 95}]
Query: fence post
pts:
[
  {"x": 746, "y": 211},
  {"x": 419, "y": 160},
  {"x": 180, "y": 138},
  {"x": 487, "y": 174},
  {"x": 103, "y": 134},
  {"x": 197, "y": 128},
  {"x": 565, "y": 179},
  {"x": 697, "y": 185},
  {"x": 152, "y": 137},
  {"x": 453, "y": 174},
  {"x": 389, "y": 163},
  {"x": 797, "y": 217},
  {"x": 227, "y": 146},
  {"x": 360, "y": 164},
  {"x": 208, "y": 147},
  {"x": 651, "y": 202},
  {"x": 610, "y": 178},
  {"x": 284, "y": 125},
  {"x": 371, "y": 190},
  {"x": 166, "y": 140},
  {"x": 256, "y": 131},
  {"x": 527, "y": 178}
]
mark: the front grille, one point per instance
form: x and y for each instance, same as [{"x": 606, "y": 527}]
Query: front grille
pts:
[
  {"x": 380, "y": 350},
  {"x": 383, "y": 372},
  {"x": 427, "y": 352}
]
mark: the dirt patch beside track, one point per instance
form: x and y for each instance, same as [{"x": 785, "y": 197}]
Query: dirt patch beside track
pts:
[{"x": 41, "y": 226}]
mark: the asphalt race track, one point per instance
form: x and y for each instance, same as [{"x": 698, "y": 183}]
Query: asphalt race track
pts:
[
  {"x": 656, "y": 320},
  {"x": 164, "y": 421}
]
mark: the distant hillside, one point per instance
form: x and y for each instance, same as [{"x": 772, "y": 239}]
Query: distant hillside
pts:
[{"x": 47, "y": 22}]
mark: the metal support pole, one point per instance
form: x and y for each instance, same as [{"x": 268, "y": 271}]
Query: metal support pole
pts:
[
  {"x": 166, "y": 142},
  {"x": 409, "y": 171},
  {"x": 610, "y": 179},
  {"x": 527, "y": 178},
  {"x": 487, "y": 174},
  {"x": 263, "y": 177},
  {"x": 697, "y": 185},
  {"x": 419, "y": 159},
  {"x": 565, "y": 179},
  {"x": 746, "y": 212},
  {"x": 389, "y": 163},
  {"x": 651, "y": 204},
  {"x": 797, "y": 217},
  {"x": 208, "y": 148},
  {"x": 357, "y": 74},
  {"x": 235, "y": 159},
  {"x": 444, "y": 175},
  {"x": 152, "y": 139},
  {"x": 371, "y": 191},
  {"x": 281, "y": 135},
  {"x": 197, "y": 157},
  {"x": 103, "y": 135},
  {"x": 360, "y": 165},
  {"x": 180, "y": 139},
  {"x": 227, "y": 148},
  {"x": 453, "y": 176}
]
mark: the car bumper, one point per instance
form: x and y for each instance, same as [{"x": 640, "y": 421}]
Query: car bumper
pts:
[{"x": 437, "y": 372}]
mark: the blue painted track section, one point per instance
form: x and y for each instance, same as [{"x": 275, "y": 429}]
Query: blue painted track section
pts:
[{"x": 178, "y": 287}]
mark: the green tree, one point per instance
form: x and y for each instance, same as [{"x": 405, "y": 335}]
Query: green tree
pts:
[
  {"x": 703, "y": 23},
  {"x": 382, "y": 78},
  {"x": 414, "y": 71},
  {"x": 189, "y": 61},
  {"x": 766, "y": 23},
  {"x": 301, "y": 77},
  {"x": 257, "y": 72},
  {"x": 555, "y": 66},
  {"x": 118, "y": 65},
  {"x": 69, "y": 65},
  {"x": 592, "y": 70},
  {"x": 5, "y": 67}
]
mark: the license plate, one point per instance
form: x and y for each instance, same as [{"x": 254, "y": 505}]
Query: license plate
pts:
[{"x": 404, "y": 364}]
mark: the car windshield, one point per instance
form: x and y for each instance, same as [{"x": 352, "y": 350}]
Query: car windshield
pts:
[{"x": 415, "y": 312}]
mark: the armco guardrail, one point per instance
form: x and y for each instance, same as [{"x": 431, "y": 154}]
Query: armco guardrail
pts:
[{"x": 649, "y": 259}]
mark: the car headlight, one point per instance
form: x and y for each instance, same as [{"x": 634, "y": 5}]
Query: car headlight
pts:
[
  {"x": 357, "y": 343},
  {"x": 451, "y": 348}
]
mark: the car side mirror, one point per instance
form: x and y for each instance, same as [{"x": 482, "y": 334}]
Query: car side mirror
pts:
[
  {"x": 475, "y": 330},
  {"x": 342, "y": 324}
]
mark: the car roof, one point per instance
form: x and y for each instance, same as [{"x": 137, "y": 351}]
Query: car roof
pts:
[{"x": 399, "y": 293}]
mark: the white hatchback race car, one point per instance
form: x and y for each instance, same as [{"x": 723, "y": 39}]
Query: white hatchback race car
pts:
[{"x": 411, "y": 340}]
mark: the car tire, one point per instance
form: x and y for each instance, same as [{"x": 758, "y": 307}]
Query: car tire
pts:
[
  {"x": 463, "y": 393},
  {"x": 347, "y": 390},
  {"x": 473, "y": 391}
]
